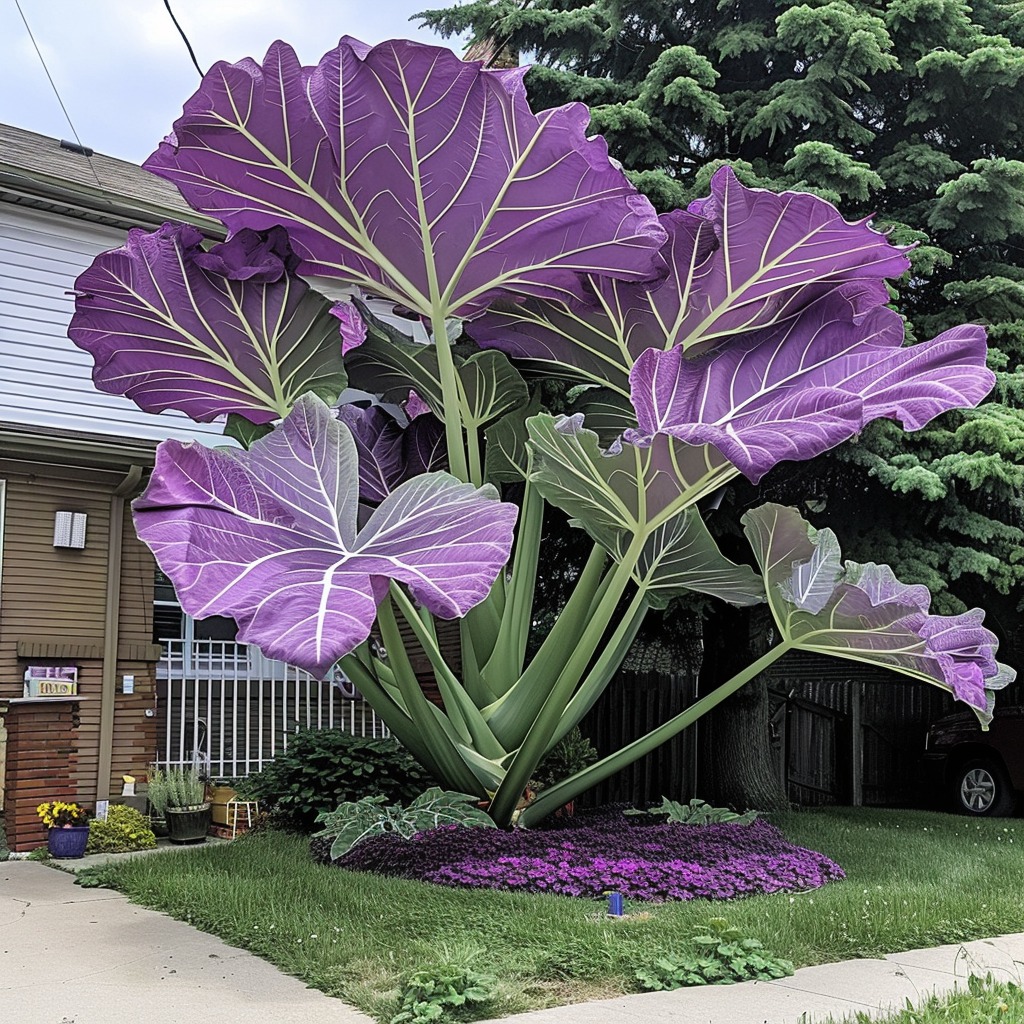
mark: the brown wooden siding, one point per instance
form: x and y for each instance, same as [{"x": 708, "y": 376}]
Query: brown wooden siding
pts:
[{"x": 51, "y": 597}]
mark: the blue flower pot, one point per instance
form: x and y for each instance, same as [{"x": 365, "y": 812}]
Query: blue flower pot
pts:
[{"x": 68, "y": 843}]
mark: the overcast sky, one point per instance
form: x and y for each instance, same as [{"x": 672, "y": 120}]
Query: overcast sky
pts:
[{"x": 124, "y": 73}]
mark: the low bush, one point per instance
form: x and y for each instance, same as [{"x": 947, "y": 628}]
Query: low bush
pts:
[
  {"x": 323, "y": 768},
  {"x": 355, "y": 822},
  {"x": 656, "y": 863},
  {"x": 125, "y": 829},
  {"x": 446, "y": 989},
  {"x": 718, "y": 954}
]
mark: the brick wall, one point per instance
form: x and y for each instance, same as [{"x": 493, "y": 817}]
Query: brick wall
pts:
[{"x": 42, "y": 754}]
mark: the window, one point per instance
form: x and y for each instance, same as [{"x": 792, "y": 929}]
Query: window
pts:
[{"x": 194, "y": 646}]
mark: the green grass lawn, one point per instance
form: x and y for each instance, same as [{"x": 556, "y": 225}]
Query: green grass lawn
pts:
[{"x": 914, "y": 879}]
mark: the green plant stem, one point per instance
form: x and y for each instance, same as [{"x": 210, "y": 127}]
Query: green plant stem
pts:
[
  {"x": 539, "y": 732},
  {"x": 452, "y": 398},
  {"x": 395, "y": 717},
  {"x": 508, "y": 656},
  {"x": 510, "y": 715},
  {"x": 457, "y": 702},
  {"x": 562, "y": 792}
]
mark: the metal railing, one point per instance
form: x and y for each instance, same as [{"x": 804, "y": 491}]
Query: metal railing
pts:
[{"x": 229, "y": 710}]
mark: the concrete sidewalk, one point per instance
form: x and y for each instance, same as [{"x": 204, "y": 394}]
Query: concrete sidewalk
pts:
[
  {"x": 87, "y": 956},
  {"x": 812, "y": 995}
]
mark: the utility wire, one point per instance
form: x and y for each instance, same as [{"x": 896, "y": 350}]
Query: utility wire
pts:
[
  {"x": 53, "y": 85},
  {"x": 86, "y": 152},
  {"x": 184, "y": 38}
]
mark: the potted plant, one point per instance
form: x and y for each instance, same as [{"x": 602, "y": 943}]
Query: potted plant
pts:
[
  {"x": 178, "y": 795},
  {"x": 68, "y": 825}
]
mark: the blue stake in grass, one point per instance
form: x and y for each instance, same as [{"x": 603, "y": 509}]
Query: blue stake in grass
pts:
[{"x": 615, "y": 904}]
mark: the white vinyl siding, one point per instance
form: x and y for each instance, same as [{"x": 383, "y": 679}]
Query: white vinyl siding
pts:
[{"x": 45, "y": 380}]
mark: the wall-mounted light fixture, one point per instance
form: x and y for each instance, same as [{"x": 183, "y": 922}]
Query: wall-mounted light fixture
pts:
[{"x": 69, "y": 530}]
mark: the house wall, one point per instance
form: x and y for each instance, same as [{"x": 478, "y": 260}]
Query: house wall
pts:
[
  {"x": 45, "y": 380},
  {"x": 52, "y": 612}
]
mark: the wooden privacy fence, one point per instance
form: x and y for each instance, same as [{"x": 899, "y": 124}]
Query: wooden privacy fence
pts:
[
  {"x": 633, "y": 704},
  {"x": 856, "y": 741}
]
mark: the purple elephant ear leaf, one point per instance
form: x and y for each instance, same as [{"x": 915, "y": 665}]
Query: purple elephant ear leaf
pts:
[
  {"x": 390, "y": 454},
  {"x": 351, "y": 326},
  {"x": 471, "y": 195},
  {"x": 869, "y": 615},
  {"x": 208, "y": 333},
  {"x": 796, "y": 390},
  {"x": 270, "y": 537},
  {"x": 378, "y": 440},
  {"x": 740, "y": 261}
]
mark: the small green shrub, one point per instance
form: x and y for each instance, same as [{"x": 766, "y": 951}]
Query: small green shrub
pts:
[
  {"x": 696, "y": 812},
  {"x": 720, "y": 955},
  {"x": 443, "y": 990},
  {"x": 353, "y": 822},
  {"x": 125, "y": 829},
  {"x": 571, "y": 754},
  {"x": 323, "y": 768},
  {"x": 39, "y": 853}
]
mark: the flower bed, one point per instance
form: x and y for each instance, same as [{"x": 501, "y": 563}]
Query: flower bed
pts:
[{"x": 655, "y": 863}]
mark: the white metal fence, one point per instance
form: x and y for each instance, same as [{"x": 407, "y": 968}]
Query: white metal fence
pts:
[{"x": 230, "y": 710}]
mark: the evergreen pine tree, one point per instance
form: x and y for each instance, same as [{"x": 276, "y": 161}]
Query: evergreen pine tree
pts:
[{"x": 913, "y": 108}]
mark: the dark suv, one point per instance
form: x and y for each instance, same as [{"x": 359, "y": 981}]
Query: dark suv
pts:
[{"x": 983, "y": 772}]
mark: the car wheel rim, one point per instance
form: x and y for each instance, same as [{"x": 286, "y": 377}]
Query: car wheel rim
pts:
[{"x": 978, "y": 790}]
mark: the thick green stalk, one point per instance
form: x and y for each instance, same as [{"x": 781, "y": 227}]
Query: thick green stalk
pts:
[
  {"x": 451, "y": 397},
  {"x": 568, "y": 789},
  {"x": 457, "y": 702},
  {"x": 401, "y": 726},
  {"x": 508, "y": 655},
  {"x": 401, "y": 665},
  {"x": 511, "y": 714},
  {"x": 604, "y": 668},
  {"x": 539, "y": 732}
]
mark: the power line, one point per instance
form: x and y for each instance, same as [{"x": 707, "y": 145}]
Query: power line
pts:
[
  {"x": 181, "y": 32},
  {"x": 53, "y": 85}
]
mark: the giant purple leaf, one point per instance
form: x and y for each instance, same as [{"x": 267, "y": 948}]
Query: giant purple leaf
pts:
[
  {"x": 269, "y": 537},
  {"x": 411, "y": 173},
  {"x": 389, "y": 454},
  {"x": 797, "y": 389},
  {"x": 740, "y": 260},
  {"x": 864, "y": 613},
  {"x": 227, "y": 331}
]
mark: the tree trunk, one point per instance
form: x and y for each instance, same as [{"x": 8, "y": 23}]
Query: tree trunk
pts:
[{"x": 740, "y": 769}]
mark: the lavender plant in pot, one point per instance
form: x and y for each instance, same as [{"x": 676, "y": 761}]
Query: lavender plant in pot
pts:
[
  {"x": 178, "y": 795},
  {"x": 748, "y": 329}
]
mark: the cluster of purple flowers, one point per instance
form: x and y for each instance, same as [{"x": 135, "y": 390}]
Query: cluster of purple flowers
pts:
[{"x": 655, "y": 863}]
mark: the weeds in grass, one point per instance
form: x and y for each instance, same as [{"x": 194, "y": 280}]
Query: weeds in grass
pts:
[
  {"x": 984, "y": 1001},
  {"x": 718, "y": 954},
  {"x": 445, "y": 988}
]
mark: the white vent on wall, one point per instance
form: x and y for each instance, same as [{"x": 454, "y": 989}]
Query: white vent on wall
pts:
[{"x": 69, "y": 530}]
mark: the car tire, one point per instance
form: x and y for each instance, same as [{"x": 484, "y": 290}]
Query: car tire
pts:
[{"x": 981, "y": 788}]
